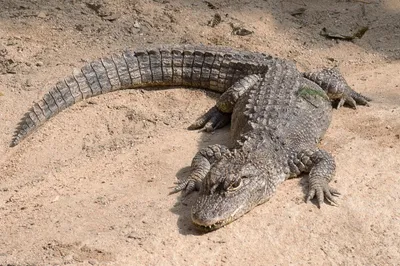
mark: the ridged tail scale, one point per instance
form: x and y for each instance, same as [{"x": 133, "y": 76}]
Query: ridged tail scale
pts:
[{"x": 204, "y": 67}]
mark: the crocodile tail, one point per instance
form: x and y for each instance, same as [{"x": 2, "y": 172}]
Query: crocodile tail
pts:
[
  {"x": 212, "y": 68},
  {"x": 126, "y": 70}
]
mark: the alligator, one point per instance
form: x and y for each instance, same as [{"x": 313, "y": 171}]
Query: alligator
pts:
[{"x": 277, "y": 114}]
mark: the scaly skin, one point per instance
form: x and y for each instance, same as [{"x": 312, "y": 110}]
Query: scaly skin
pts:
[
  {"x": 277, "y": 114},
  {"x": 277, "y": 123},
  {"x": 213, "y": 68}
]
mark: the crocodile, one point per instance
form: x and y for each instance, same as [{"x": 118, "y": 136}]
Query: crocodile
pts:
[{"x": 277, "y": 114}]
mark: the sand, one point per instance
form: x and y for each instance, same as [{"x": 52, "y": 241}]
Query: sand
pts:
[{"x": 90, "y": 187}]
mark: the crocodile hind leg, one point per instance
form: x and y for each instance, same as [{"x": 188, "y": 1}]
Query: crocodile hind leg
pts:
[
  {"x": 321, "y": 167},
  {"x": 220, "y": 114},
  {"x": 336, "y": 87},
  {"x": 200, "y": 167}
]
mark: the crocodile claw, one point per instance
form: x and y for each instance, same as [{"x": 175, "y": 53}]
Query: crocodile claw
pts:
[
  {"x": 211, "y": 120},
  {"x": 187, "y": 186},
  {"x": 322, "y": 192},
  {"x": 352, "y": 99}
]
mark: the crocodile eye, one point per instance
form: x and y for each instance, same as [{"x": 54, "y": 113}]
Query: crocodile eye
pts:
[{"x": 235, "y": 185}]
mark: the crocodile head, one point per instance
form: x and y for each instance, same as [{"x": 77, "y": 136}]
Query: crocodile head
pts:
[{"x": 232, "y": 187}]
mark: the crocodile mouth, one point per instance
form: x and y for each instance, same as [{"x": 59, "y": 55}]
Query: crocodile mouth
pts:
[{"x": 214, "y": 226}]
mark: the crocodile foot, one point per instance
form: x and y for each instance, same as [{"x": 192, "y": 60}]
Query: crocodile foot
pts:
[
  {"x": 336, "y": 87},
  {"x": 352, "y": 99},
  {"x": 322, "y": 191},
  {"x": 211, "y": 120},
  {"x": 187, "y": 186}
]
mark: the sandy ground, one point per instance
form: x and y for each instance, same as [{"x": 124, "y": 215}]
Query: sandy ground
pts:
[{"x": 91, "y": 185}]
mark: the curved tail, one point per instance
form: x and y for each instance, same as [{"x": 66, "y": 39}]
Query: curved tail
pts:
[{"x": 207, "y": 67}]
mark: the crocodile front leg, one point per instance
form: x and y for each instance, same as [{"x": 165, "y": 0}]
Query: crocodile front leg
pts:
[
  {"x": 220, "y": 114},
  {"x": 321, "y": 167},
  {"x": 200, "y": 167},
  {"x": 321, "y": 174}
]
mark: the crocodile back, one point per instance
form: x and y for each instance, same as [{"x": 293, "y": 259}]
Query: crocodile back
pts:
[
  {"x": 287, "y": 109},
  {"x": 266, "y": 108}
]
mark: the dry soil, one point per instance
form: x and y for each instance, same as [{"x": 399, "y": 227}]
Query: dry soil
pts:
[{"x": 91, "y": 185}]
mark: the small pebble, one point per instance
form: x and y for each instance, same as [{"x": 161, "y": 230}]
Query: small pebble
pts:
[
  {"x": 41, "y": 14},
  {"x": 136, "y": 24},
  {"x": 92, "y": 262},
  {"x": 28, "y": 83},
  {"x": 68, "y": 258}
]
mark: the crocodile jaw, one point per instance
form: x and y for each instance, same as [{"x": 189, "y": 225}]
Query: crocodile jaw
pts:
[
  {"x": 211, "y": 225},
  {"x": 209, "y": 217}
]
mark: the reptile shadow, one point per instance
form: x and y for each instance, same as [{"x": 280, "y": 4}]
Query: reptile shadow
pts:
[
  {"x": 183, "y": 204},
  {"x": 182, "y": 208}
]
